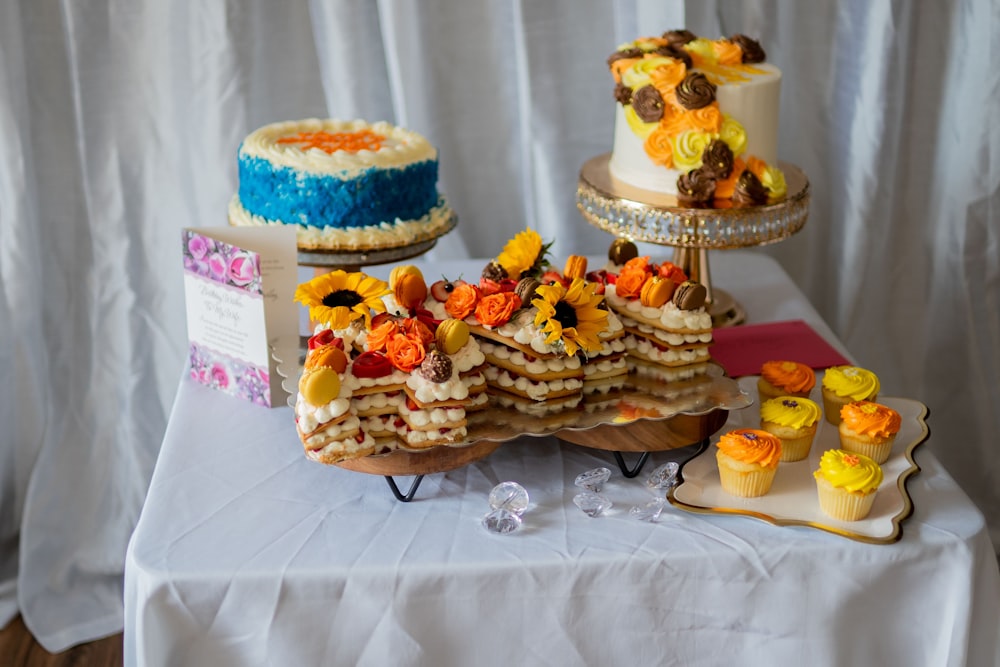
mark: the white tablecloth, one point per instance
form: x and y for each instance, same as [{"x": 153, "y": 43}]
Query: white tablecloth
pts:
[{"x": 247, "y": 553}]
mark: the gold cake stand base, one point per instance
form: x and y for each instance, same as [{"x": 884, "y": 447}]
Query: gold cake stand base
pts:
[
  {"x": 653, "y": 217},
  {"x": 353, "y": 260}
]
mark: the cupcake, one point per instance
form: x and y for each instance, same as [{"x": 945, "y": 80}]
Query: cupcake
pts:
[
  {"x": 748, "y": 460},
  {"x": 846, "y": 384},
  {"x": 847, "y": 484},
  {"x": 794, "y": 420},
  {"x": 785, "y": 378},
  {"x": 869, "y": 428}
]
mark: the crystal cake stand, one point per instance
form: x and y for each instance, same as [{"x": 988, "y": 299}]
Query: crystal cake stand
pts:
[{"x": 653, "y": 217}]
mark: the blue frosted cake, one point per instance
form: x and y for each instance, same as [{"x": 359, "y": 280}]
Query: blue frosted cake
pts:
[{"x": 346, "y": 185}]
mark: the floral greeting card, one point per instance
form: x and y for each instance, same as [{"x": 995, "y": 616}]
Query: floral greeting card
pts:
[{"x": 239, "y": 286}]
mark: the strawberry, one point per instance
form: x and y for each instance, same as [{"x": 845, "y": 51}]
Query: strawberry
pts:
[
  {"x": 371, "y": 364},
  {"x": 551, "y": 277},
  {"x": 325, "y": 337},
  {"x": 441, "y": 289}
]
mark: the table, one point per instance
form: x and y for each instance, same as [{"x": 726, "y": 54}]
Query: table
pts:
[{"x": 246, "y": 553}]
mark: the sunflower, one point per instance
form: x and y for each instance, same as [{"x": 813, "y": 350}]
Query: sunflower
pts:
[
  {"x": 338, "y": 298},
  {"x": 523, "y": 254},
  {"x": 571, "y": 316}
]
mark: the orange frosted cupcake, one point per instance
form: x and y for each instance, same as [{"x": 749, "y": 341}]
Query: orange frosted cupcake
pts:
[
  {"x": 794, "y": 420},
  {"x": 847, "y": 484},
  {"x": 847, "y": 384},
  {"x": 785, "y": 378},
  {"x": 869, "y": 428},
  {"x": 748, "y": 460}
]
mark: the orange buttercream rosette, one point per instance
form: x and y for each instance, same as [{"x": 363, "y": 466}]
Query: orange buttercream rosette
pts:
[
  {"x": 497, "y": 309},
  {"x": 666, "y": 78},
  {"x": 462, "y": 301},
  {"x": 872, "y": 419},
  {"x": 660, "y": 147},
  {"x": 727, "y": 52},
  {"x": 789, "y": 375},
  {"x": 620, "y": 65},
  {"x": 751, "y": 446},
  {"x": 725, "y": 188}
]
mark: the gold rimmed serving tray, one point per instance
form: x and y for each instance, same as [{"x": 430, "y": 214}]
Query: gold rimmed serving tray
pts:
[{"x": 793, "y": 500}]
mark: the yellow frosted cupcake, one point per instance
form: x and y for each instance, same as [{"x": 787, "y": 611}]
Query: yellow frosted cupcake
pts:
[
  {"x": 748, "y": 460},
  {"x": 846, "y": 384},
  {"x": 794, "y": 420},
  {"x": 869, "y": 428},
  {"x": 785, "y": 378},
  {"x": 847, "y": 484}
]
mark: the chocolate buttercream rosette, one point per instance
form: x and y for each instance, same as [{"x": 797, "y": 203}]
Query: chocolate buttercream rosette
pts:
[
  {"x": 717, "y": 159},
  {"x": 696, "y": 187},
  {"x": 678, "y": 38},
  {"x": 751, "y": 48},
  {"x": 749, "y": 190},
  {"x": 648, "y": 104},
  {"x": 695, "y": 91}
]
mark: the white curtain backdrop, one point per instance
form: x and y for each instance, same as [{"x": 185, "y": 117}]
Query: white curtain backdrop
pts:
[{"x": 119, "y": 125}]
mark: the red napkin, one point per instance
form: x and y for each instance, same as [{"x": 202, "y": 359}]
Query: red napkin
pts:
[{"x": 742, "y": 350}]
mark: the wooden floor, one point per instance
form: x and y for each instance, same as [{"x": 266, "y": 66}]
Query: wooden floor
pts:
[{"x": 19, "y": 649}]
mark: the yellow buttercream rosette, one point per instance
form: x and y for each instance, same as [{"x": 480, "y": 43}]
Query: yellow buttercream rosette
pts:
[
  {"x": 847, "y": 483},
  {"x": 847, "y": 384},
  {"x": 794, "y": 420}
]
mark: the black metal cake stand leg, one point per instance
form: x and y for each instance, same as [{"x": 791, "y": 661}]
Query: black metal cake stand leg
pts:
[
  {"x": 634, "y": 470},
  {"x": 409, "y": 494}
]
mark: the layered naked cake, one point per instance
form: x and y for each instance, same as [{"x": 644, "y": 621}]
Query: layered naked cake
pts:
[
  {"x": 697, "y": 118},
  {"x": 400, "y": 382},
  {"x": 404, "y": 364},
  {"x": 663, "y": 312},
  {"x": 345, "y": 185}
]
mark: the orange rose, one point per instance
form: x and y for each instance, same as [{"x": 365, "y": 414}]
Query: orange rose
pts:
[
  {"x": 379, "y": 337},
  {"x": 638, "y": 264},
  {"x": 405, "y": 352},
  {"x": 669, "y": 270},
  {"x": 462, "y": 301},
  {"x": 416, "y": 328},
  {"x": 497, "y": 309},
  {"x": 630, "y": 282}
]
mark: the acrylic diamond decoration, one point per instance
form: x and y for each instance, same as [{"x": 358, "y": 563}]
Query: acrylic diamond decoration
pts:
[
  {"x": 593, "y": 480},
  {"x": 649, "y": 512},
  {"x": 501, "y": 521},
  {"x": 664, "y": 477},
  {"x": 509, "y": 496},
  {"x": 592, "y": 504}
]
